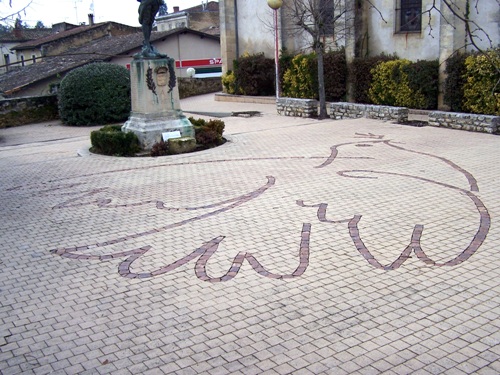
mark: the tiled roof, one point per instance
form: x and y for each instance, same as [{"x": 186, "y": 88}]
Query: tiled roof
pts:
[
  {"x": 64, "y": 34},
  {"x": 102, "y": 49},
  {"x": 23, "y": 35},
  {"x": 212, "y": 6}
]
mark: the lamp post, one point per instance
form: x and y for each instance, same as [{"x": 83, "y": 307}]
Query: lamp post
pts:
[{"x": 275, "y": 5}]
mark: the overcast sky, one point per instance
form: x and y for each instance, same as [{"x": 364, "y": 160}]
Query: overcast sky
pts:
[{"x": 76, "y": 11}]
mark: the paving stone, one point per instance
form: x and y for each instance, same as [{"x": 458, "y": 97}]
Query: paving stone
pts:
[{"x": 299, "y": 246}]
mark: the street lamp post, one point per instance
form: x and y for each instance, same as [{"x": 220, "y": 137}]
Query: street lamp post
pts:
[{"x": 275, "y": 5}]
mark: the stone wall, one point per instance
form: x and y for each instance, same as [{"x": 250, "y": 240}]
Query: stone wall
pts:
[
  {"x": 340, "y": 111},
  {"x": 198, "y": 86},
  {"x": 465, "y": 121},
  {"x": 297, "y": 107},
  {"x": 27, "y": 110}
]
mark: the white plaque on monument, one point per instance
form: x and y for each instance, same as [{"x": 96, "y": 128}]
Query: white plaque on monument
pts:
[{"x": 167, "y": 135}]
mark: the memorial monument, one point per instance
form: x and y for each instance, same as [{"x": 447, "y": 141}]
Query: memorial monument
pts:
[{"x": 156, "y": 112}]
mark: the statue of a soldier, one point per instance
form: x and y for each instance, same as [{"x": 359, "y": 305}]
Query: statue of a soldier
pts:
[{"x": 147, "y": 13}]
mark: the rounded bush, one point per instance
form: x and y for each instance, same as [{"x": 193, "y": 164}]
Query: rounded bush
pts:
[
  {"x": 208, "y": 133},
  {"x": 95, "y": 94},
  {"x": 110, "y": 140},
  {"x": 391, "y": 85}
]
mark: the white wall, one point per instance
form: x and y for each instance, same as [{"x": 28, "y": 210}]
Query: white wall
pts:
[
  {"x": 255, "y": 27},
  {"x": 182, "y": 47},
  {"x": 411, "y": 46},
  {"x": 488, "y": 17}
]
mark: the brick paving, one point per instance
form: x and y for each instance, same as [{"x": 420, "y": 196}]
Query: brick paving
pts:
[{"x": 298, "y": 247}]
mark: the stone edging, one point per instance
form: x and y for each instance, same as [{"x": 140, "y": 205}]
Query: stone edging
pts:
[
  {"x": 465, "y": 121},
  {"x": 342, "y": 110}
]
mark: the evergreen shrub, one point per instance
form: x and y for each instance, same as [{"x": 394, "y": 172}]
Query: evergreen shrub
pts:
[
  {"x": 229, "y": 83},
  {"x": 301, "y": 79},
  {"x": 423, "y": 79},
  {"x": 208, "y": 133},
  {"x": 95, "y": 94},
  {"x": 455, "y": 81},
  {"x": 285, "y": 61},
  {"x": 360, "y": 75},
  {"x": 254, "y": 75},
  {"x": 110, "y": 140},
  {"x": 482, "y": 89},
  {"x": 405, "y": 84},
  {"x": 160, "y": 149},
  {"x": 335, "y": 75}
]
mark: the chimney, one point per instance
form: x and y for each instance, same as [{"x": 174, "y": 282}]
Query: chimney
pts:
[
  {"x": 18, "y": 29},
  {"x": 176, "y": 9},
  {"x": 91, "y": 19}
]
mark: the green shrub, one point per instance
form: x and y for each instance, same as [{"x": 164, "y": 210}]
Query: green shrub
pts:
[
  {"x": 482, "y": 89},
  {"x": 391, "y": 85},
  {"x": 110, "y": 140},
  {"x": 229, "y": 83},
  {"x": 360, "y": 76},
  {"x": 95, "y": 94},
  {"x": 208, "y": 133},
  {"x": 455, "y": 81},
  {"x": 255, "y": 75},
  {"x": 335, "y": 68},
  {"x": 301, "y": 79},
  {"x": 159, "y": 149},
  {"x": 423, "y": 79},
  {"x": 285, "y": 61}
]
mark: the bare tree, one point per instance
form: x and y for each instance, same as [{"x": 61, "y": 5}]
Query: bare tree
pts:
[
  {"x": 324, "y": 23},
  {"x": 15, "y": 13},
  {"x": 476, "y": 35},
  {"x": 328, "y": 22}
]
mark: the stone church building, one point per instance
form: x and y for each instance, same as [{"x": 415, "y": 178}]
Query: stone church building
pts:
[{"x": 412, "y": 29}]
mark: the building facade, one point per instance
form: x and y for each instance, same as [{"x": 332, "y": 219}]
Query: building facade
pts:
[{"x": 411, "y": 29}]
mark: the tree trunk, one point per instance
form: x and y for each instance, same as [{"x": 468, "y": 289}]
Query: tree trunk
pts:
[{"x": 321, "y": 85}]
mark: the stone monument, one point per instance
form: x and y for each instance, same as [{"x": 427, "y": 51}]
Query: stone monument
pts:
[{"x": 156, "y": 111}]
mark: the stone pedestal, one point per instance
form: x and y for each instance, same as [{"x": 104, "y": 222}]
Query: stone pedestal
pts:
[{"x": 155, "y": 106}]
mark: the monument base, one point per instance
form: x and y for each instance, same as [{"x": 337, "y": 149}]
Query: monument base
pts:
[
  {"x": 155, "y": 102},
  {"x": 150, "y": 127}
]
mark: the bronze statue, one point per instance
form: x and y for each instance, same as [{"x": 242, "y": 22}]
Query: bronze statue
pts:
[{"x": 147, "y": 13}]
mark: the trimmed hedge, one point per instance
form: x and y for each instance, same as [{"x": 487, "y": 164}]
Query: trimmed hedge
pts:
[
  {"x": 208, "y": 133},
  {"x": 423, "y": 79},
  {"x": 482, "y": 88},
  {"x": 455, "y": 80},
  {"x": 402, "y": 83},
  {"x": 110, "y": 140},
  {"x": 255, "y": 75},
  {"x": 301, "y": 79},
  {"x": 95, "y": 94},
  {"x": 361, "y": 76},
  {"x": 335, "y": 68}
]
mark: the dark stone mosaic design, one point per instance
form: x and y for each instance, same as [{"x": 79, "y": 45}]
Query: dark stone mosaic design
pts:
[{"x": 203, "y": 254}]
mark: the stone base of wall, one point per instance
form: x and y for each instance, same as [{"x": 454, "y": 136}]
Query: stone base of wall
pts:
[
  {"x": 297, "y": 107},
  {"x": 223, "y": 97},
  {"x": 198, "y": 86},
  {"x": 28, "y": 110},
  {"x": 341, "y": 110},
  {"x": 465, "y": 121}
]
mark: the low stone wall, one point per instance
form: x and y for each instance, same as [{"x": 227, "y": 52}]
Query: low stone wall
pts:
[
  {"x": 198, "y": 86},
  {"x": 341, "y": 110},
  {"x": 297, "y": 107},
  {"x": 465, "y": 121},
  {"x": 27, "y": 110}
]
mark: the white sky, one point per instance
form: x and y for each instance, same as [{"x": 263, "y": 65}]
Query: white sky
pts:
[{"x": 76, "y": 11}]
